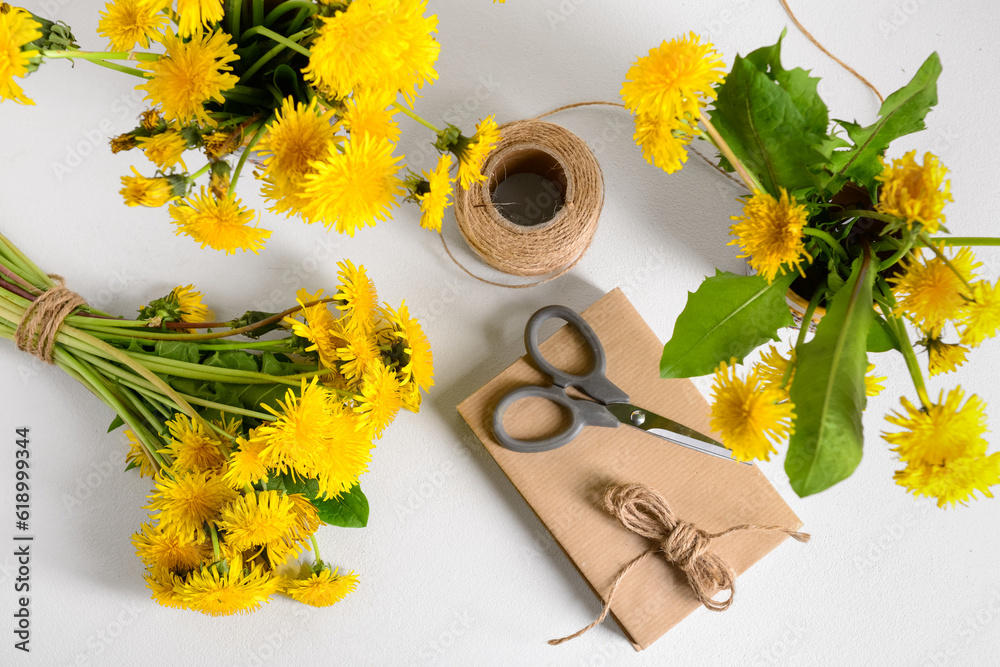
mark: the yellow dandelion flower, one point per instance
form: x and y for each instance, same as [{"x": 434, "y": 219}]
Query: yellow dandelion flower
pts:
[
  {"x": 473, "y": 152},
  {"x": 245, "y": 465},
  {"x": 944, "y": 432},
  {"x": 191, "y": 446},
  {"x": 929, "y": 292},
  {"x": 257, "y": 519},
  {"x": 370, "y": 113},
  {"x": 957, "y": 481},
  {"x": 191, "y": 73},
  {"x": 198, "y": 14},
  {"x": 220, "y": 593},
  {"x": 419, "y": 361},
  {"x": 663, "y": 140},
  {"x": 914, "y": 193},
  {"x": 981, "y": 317},
  {"x": 674, "y": 80},
  {"x": 943, "y": 357},
  {"x": 299, "y": 135},
  {"x": 123, "y": 142},
  {"x": 359, "y": 352},
  {"x": 354, "y": 188},
  {"x": 321, "y": 589},
  {"x": 190, "y": 305},
  {"x": 303, "y": 424},
  {"x": 218, "y": 145},
  {"x": 136, "y": 457},
  {"x": 222, "y": 224},
  {"x": 415, "y": 60},
  {"x": 435, "y": 200},
  {"x": 748, "y": 415},
  {"x": 770, "y": 233},
  {"x": 374, "y": 44},
  {"x": 411, "y": 397},
  {"x": 306, "y": 516},
  {"x": 164, "y": 149},
  {"x": 873, "y": 382},
  {"x": 772, "y": 367},
  {"x": 17, "y": 29},
  {"x": 168, "y": 549},
  {"x": 141, "y": 191},
  {"x": 320, "y": 327},
  {"x": 131, "y": 22},
  {"x": 357, "y": 296},
  {"x": 150, "y": 119},
  {"x": 162, "y": 583},
  {"x": 380, "y": 398},
  {"x": 185, "y": 502},
  {"x": 344, "y": 455}
]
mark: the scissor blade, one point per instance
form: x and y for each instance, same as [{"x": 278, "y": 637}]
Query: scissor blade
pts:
[{"x": 669, "y": 430}]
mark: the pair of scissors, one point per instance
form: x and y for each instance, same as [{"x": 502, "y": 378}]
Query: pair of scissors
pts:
[{"x": 610, "y": 406}]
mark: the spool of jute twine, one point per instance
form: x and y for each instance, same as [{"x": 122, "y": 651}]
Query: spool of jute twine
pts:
[
  {"x": 36, "y": 333},
  {"x": 555, "y": 245}
]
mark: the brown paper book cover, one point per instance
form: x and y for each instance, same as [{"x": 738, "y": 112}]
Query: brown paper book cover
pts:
[{"x": 564, "y": 486}]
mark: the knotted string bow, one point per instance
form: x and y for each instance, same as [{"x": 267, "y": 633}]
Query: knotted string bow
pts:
[{"x": 645, "y": 511}]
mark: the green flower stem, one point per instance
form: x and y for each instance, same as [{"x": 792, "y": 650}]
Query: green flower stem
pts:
[
  {"x": 215, "y": 543},
  {"x": 246, "y": 153},
  {"x": 280, "y": 39},
  {"x": 94, "y": 384},
  {"x": 138, "y": 405},
  {"x": 214, "y": 374},
  {"x": 959, "y": 240},
  {"x": 147, "y": 389},
  {"x": 947, "y": 262},
  {"x": 281, "y": 45},
  {"x": 806, "y": 322},
  {"x": 748, "y": 179},
  {"x": 828, "y": 239},
  {"x": 101, "y": 55},
  {"x": 233, "y": 16},
  {"x": 409, "y": 112},
  {"x": 260, "y": 345},
  {"x": 863, "y": 213},
  {"x": 122, "y": 68},
  {"x": 72, "y": 336},
  {"x": 287, "y": 6},
  {"x": 201, "y": 171},
  {"x": 909, "y": 355},
  {"x": 28, "y": 270},
  {"x": 315, "y": 546},
  {"x": 258, "y": 12},
  {"x": 901, "y": 251}
]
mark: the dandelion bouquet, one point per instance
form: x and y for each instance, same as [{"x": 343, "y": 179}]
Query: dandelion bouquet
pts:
[
  {"x": 857, "y": 238},
  {"x": 251, "y": 443},
  {"x": 310, "y": 88}
]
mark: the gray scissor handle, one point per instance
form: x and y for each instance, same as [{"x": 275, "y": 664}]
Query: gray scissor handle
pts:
[
  {"x": 584, "y": 413},
  {"x": 593, "y": 382}
]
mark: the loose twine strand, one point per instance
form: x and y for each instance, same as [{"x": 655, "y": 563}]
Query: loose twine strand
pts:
[
  {"x": 582, "y": 247},
  {"x": 645, "y": 511},
  {"x": 36, "y": 333}
]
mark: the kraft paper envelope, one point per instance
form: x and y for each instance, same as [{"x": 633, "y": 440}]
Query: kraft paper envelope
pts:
[{"x": 564, "y": 486}]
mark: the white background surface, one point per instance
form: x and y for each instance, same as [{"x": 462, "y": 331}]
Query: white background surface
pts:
[{"x": 455, "y": 569}]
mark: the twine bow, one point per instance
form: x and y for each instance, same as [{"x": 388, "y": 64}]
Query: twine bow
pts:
[
  {"x": 645, "y": 511},
  {"x": 36, "y": 334}
]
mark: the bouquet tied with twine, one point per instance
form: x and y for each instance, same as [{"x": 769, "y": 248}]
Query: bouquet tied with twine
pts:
[{"x": 251, "y": 443}]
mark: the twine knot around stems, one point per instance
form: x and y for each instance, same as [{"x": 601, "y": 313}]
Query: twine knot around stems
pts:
[
  {"x": 36, "y": 333},
  {"x": 645, "y": 511}
]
